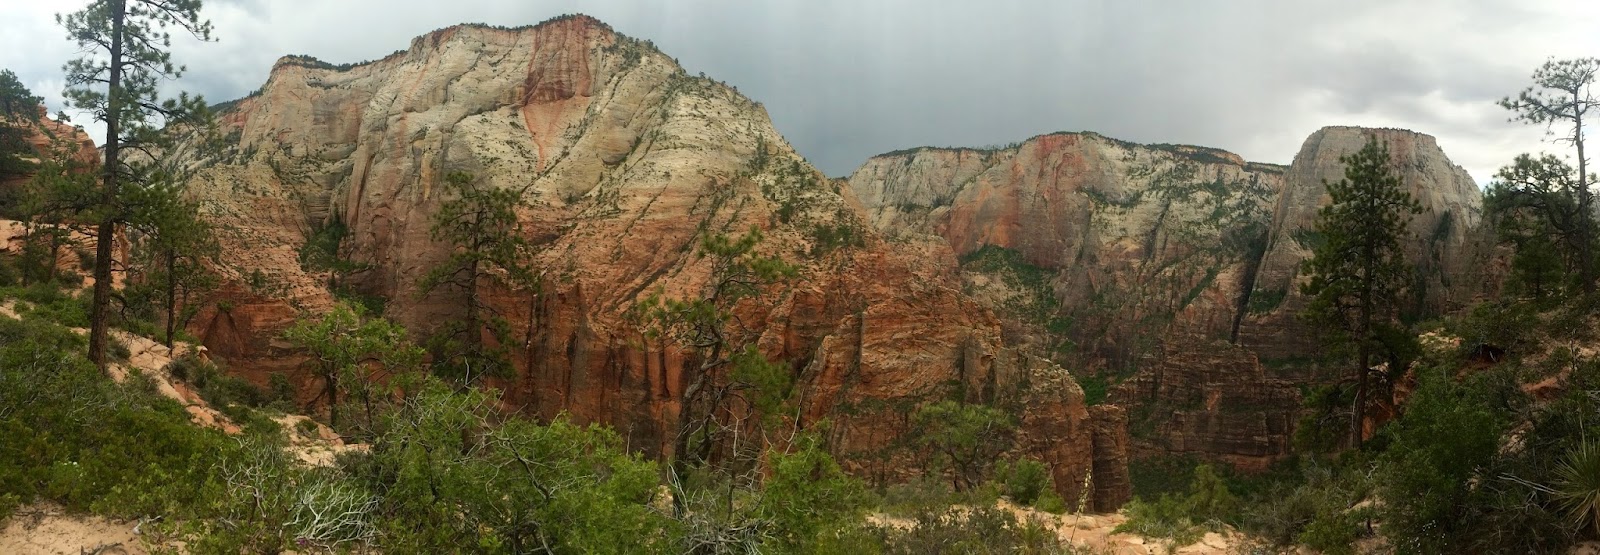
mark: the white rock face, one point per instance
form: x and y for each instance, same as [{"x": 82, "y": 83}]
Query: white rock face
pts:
[
  {"x": 1445, "y": 245},
  {"x": 1147, "y": 240},
  {"x": 628, "y": 162}
]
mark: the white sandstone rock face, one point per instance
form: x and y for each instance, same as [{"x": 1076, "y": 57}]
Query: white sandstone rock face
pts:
[
  {"x": 1191, "y": 236},
  {"x": 1132, "y": 236},
  {"x": 628, "y": 161},
  {"x": 1445, "y": 246}
]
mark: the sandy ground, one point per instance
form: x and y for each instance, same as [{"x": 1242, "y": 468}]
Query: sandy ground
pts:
[
  {"x": 1094, "y": 532},
  {"x": 46, "y": 530}
]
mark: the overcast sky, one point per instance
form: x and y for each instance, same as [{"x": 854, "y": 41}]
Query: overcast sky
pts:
[{"x": 846, "y": 79}]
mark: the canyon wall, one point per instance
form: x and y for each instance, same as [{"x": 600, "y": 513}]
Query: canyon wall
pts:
[
  {"x": 1170, "y": 271},
  {"x": 627, "y": 161}
]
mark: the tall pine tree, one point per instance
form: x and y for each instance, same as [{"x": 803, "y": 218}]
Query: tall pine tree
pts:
[
  {"x": 1359, "y": 271},
  {"x": 490, "y": 245},
  {"x": 126, "y": 55},
  {"x": 1544, "y": 195}
]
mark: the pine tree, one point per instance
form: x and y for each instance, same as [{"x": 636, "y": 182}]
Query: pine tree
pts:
[
  {"x": 176, "y": 245},
  {"x": 730, "y": 366},
  {"x": 126, "y": 44},
  {"x": 480, "y": 222},
  {"x": 1562, "y": 95},
  {"x": 1359, "y": 271}
]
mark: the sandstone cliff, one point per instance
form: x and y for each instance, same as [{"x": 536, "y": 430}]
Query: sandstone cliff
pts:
[
  {"x": 628, "y": 160},
  {"x": 1443, "y": 246},
  {"x": 1146, "y": 261},
  {"x": 1120, "y": 238}
]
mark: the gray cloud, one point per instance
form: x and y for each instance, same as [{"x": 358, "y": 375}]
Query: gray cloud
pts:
[{"x": 845, "y": 79}]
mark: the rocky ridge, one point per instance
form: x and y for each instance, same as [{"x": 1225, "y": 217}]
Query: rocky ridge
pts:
[
  {"x": 1148, "y": 263},
  {"x": 628, "y": 160}
]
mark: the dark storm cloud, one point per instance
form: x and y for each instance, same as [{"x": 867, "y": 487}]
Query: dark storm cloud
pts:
[{"x": 847, "y": 79}]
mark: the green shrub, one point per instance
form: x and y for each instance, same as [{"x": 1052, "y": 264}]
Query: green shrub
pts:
[
  {"x": 1023, "y": 480},
  {"x": 1437, "y": 451},
  {"x": 808, "y": 498},
  {"x": 78, "y": 439},
  {"x": 1183, "y": 519},
  {"x": 1095, "y": 388},
  {"x": 218, "y": 388},
  {"x": 1577, "y": 485},
  {"x": 982, "y": 529},
  {"x": 1165, "y": 518},
  {"x": 1051, "y": 502}
]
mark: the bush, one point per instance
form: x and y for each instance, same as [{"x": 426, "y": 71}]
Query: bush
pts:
[
  {"x": 982, "y": 529},
  {"x": 1450, "y": 432},
  {"x": 449, "y": 479},
  {"x": 1024, "y": 480},
  {"x": 1316, "y": 510},
  {"x": 64, "y": 420},
  {"x": 808, "y": 498},
  {"x": 1184, "y": 519},
  {"x": 219, "y": 389}
]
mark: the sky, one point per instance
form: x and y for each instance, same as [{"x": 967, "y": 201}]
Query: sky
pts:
[{"x": 846, "y": 79}]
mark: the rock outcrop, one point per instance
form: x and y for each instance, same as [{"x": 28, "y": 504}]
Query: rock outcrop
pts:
[
  {"x": 1127, "y": 237},
  {"x": 628, "y": 161},
  {"x": 1147, "y": 261},
  {"x": 1214, "y": 400},
  {"x": 1443, "y": 248},
  {"x": 50, "y": 139}
]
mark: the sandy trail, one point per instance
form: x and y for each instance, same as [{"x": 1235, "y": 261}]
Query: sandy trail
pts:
[{"x": 47, "y": 530}]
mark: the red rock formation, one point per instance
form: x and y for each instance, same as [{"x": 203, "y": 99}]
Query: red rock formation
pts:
[
  {"x": 1132, "y": 236},
  {"x": 52, "y": 139},
  {"x": 628, "y": 161},
  {"x": 1212, "y": 400},
  {"x": 1113, "y": 486},
  {"x": 1142, "y": 249}
]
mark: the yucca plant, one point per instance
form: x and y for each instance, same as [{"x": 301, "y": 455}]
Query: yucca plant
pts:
[{"x": 1577, "y": 485}]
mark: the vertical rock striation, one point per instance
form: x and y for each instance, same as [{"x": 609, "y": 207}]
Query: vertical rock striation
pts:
[
  {"x": 1147, "y": 261},
  {"x": 628, "y": 161}
]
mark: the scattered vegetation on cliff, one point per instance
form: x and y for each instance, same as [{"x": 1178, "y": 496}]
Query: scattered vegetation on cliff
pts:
[{"x": 1473, "y": 439}]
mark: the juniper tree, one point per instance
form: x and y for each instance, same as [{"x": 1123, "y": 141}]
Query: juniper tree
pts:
[
  {"x": 126, "y": 45},
  {"x": 1359, "y": 271}
]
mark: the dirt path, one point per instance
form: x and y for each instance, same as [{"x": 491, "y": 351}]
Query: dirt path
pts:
[{"x": 47, "y": 530}]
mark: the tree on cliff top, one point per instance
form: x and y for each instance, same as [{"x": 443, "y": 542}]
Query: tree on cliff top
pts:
[
  {"x": 125, "y": 44},
  {"x": 1562, "y": 95},
  {"x": 1359, "y": 271},
  {"x": 480, "y": 222},
  {"x": 19, "y": 110}
]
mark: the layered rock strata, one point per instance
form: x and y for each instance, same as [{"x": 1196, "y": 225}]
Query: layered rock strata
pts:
[
  {"x": 627, "y": 161},
  {"x": 1131, "y": 259}
]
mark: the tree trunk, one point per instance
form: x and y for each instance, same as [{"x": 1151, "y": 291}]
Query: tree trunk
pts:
[
  {"x": 107, "y": 230},
  {"x": 55, "y": 254},
  {"x": 27, "y": 246},
  {"x": 172, "y": 296},
  {"x": 1585, "y": 200},
  {"x": 332, "y": 383},
  {"x": 474, "y": 329}
]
